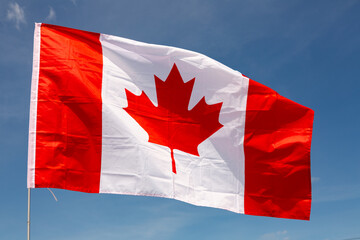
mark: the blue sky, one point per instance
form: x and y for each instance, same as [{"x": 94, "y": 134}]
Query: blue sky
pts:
[{"x": 308, "y": 51}]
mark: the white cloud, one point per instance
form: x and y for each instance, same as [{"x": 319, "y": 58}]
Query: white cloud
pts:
[
  {"x": 340, "y": 192},
  {"x": 160, "y": 227},
  {"x": 51, "y": 15},
  {"x": 16, "y": 14},
  {"x": 315, "y": 179},
  {"x": 279, "y": 235}
]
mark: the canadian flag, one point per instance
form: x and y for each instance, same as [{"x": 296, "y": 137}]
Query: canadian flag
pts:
[{"x": 113, "y": 115}]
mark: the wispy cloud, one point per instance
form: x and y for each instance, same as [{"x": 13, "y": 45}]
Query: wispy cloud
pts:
[
  {"x": 332, "y": 193},
  {"x": 160, "y": 227},
  {"x": 164, "y": 226},
  {"x": 16, "y": 14},
  {"x": 51, "y": 15},
  {"x": 279, "y": 235},
  {"x": 315, "y": 179}
]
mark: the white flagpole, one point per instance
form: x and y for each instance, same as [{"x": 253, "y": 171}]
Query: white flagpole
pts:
[{"x": 28, "y": 219}]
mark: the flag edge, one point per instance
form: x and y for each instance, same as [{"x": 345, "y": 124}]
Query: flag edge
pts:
[{"x": 33, "y": 107}]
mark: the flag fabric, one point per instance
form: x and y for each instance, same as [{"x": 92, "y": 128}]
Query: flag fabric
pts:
[{"x": 113, "y": 115}]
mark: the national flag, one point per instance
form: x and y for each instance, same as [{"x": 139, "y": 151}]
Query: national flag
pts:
[{"x": 113, "y": 115}]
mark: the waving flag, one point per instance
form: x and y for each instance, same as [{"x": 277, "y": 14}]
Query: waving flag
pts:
[{"x": 113, "y": 115}]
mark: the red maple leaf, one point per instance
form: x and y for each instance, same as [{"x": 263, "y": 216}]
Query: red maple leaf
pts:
[{"x": 171, "y": 123}]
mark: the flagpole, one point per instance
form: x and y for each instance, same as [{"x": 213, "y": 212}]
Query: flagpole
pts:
[{"x": 28, "y": 217}]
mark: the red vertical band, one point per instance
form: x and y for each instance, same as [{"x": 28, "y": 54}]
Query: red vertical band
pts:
[
  {"x": 69, "y": 110},
  {"x": 277, "y": 155}
]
